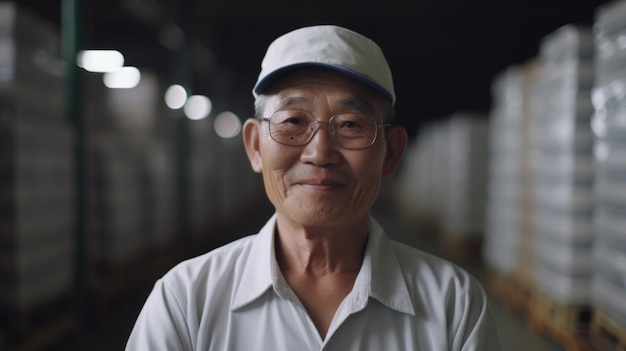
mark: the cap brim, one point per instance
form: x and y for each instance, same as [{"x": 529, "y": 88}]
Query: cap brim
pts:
[{"x": 264, "y": 83}]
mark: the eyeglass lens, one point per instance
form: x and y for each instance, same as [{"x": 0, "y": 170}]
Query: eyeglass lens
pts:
[{"x": 349, "y": 130}]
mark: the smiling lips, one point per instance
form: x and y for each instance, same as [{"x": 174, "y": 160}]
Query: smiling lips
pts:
[
  {"x": 320, "y": 183},
  {"x": 318, "y": 179}
]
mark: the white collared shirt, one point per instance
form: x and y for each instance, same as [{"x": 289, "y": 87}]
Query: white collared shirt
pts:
[{"x": 235, "y": 298}]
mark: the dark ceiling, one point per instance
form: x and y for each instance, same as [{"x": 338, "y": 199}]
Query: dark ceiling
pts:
[{"x": 444, "y": 53}]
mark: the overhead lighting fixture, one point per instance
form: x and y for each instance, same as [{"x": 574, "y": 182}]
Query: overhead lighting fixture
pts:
[
  {"x": 100, "y": 60},
  {"x": 198, "y": 107},
  {"x": 227, "y": 125},
  {"x": 175, "y": 96},
  {"x": 124, "y": 78}
]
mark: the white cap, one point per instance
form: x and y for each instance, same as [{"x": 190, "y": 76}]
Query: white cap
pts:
[{"x": 327, "y": 46}]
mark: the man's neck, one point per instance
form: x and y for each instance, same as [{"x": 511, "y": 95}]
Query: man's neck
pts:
[
  {"x": 321, "y": 266},
  {"x": 318, "y": 251}
]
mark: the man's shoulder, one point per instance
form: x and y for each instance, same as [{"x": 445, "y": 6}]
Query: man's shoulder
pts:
[
  {"x": 414, "y": 254},
  {"x": 228, "y": 257},
  {"x": 422, "y": 264}
]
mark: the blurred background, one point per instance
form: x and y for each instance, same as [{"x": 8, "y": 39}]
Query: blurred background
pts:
[{"x": 120, "y": 154}]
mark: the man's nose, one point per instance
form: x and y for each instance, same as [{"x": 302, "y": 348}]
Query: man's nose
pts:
[{"x": 321, "y": 149}]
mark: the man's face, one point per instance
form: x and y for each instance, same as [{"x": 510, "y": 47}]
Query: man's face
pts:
[{"x": 320, "y": 183}]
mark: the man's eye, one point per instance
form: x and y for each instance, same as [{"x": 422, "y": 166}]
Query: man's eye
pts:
[
  {"x": 293, "y": 121},
  {"x": 290, "y": 118},
  {"x": 350, "y": 124}
]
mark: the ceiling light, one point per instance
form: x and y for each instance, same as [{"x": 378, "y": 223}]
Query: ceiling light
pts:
[
  {"x": 175, "y": 96},
  {"x": 100, "y": 60},
  {"x": 197, "y": 107},
  {"x": 227, "y": 125},
  {"x": 124, "y": 78}
]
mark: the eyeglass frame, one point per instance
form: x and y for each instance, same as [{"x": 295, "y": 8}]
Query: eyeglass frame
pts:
[{"x": 330, "y": 131}]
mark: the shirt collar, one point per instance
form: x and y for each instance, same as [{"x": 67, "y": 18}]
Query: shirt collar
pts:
[
  {"x": 388, "y": 284},
  {"x": 381, "y": 271},
  {"x": 258, "y": 273}
]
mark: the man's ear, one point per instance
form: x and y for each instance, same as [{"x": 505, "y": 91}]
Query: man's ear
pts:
[
  {"x": 251, "y": 132},
  {"x": 397, "y": 139}
]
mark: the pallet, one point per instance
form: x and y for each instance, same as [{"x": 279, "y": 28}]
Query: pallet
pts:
[
  {"x": 566, "y": 324},
  {"x": 35, "y": 328},
  {"x": 461, "y": 245},
  {"x": 495, "y": 283},
  {"x": 514, "y": 295},
  {"x": 518, "y": 299},
  {"x": 606, "y": 333}
]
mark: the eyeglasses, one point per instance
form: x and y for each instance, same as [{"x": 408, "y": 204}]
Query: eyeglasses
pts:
[{"x": 348, "y": 130}]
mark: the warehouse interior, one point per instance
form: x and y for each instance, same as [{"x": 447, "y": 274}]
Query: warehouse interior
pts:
[
  {"x": 444, "y": 52},
  {"x": 514, "y": 169}
]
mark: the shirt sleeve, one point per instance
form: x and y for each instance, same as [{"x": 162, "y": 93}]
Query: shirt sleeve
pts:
[
  {"x": 476, "y": 330},
  {"x": 161, "y": 324}
]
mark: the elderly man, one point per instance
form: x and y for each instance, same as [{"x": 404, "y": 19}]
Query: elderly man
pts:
[{"x": 321, "y": 274}]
